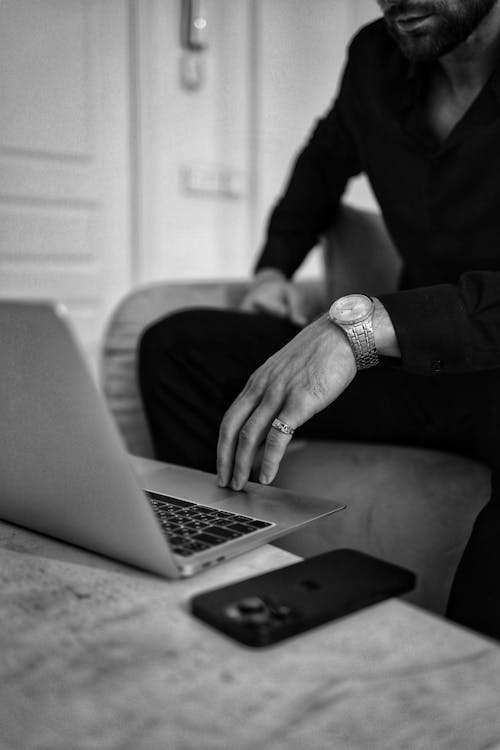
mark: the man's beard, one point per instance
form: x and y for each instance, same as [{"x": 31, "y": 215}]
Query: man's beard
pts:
[{"x": 449, "y": 29}]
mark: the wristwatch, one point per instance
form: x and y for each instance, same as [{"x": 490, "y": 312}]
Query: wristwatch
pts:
[{"x": 354, "y": 314}]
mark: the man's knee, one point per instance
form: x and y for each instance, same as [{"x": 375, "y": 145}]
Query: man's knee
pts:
[
  {"x": 169, "y": 332},
  {"x": 190, "y": 327},
  {"x": 171, "y": 344},
  {"x": 157, "y": 344}
]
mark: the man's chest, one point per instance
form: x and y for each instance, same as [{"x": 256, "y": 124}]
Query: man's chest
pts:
[
  {"x": 439, "y": 196},
  {"x": 443, "y": 109}
]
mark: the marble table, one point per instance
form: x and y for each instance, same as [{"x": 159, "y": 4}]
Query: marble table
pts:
[{"x": 95, "y": 655}]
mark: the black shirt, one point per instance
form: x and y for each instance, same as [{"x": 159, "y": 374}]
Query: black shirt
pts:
[{"x": 440, "y": 202}]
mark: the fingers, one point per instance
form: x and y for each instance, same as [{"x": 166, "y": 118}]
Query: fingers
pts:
[
  {"x": 246, "y": 303},
  {"x": 276, "y": 307},
  {"x": 232, "y": 425},
  {"x": 229, "y": 430},
  {"x": 276, "y": 444},
  {"x": 267, "y": 298},
  {"x": 281, "y": 298},
  {"x": 250, "y": 438},
  {"x": 299, "y": 380},
  {"x": 242, "y": 431}
]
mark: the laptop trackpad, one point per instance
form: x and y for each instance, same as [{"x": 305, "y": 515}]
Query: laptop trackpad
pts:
[{"x": 269, "y": 503}]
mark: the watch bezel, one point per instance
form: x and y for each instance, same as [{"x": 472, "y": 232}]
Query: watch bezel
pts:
[{"x": 351, "y": 321}]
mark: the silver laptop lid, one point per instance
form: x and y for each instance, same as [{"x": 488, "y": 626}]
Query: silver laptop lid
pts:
[{"x": 63, "y": 469}]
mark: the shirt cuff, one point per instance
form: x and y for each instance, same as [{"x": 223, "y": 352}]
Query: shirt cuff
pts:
[
  {"x": 431, "y": 327},
  {"x": 278, "y": 254}
]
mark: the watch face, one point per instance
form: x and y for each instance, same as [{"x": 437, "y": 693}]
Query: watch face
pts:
[{"x": 351, "y": 309}]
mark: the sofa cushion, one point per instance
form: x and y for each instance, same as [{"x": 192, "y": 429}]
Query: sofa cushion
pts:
[{"x": 411, "y": 506}]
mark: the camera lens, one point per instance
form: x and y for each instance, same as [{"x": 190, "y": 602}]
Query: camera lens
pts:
[{"x": 251, "y": 605}]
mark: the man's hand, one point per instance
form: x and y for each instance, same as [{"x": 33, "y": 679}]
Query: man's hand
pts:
[
  {"x": 271, "y": 292},
  {"x": 298, "y": 381}
]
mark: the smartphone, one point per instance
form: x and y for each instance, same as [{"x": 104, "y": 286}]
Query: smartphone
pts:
[{"x": 267, "y": 608}]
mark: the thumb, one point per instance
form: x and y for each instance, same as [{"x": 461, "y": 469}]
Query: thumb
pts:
[
  {"x": 248, "y": 302},
  {"x": 295, "y": 307}
]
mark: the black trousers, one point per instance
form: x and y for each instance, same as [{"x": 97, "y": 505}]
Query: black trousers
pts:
[{"x": 194, "y": 363}]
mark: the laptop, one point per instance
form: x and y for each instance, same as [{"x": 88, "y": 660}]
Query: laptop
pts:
[{"x": 64, "y": 470}]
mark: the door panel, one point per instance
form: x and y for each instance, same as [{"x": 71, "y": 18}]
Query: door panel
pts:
[{"x": 64, "y": 155}]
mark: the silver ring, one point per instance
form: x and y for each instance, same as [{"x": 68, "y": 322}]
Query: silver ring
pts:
[{"x": 282, "y": 427}]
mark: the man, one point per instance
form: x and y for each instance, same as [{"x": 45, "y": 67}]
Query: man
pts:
[{"x": 419, "y": 112}]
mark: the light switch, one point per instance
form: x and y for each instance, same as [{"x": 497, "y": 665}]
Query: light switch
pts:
[
  {"x": 212, "y": 179},
  {"x": 201, "y": 178}
]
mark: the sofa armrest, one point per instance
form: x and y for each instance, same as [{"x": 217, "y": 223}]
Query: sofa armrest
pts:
[
  {"x": 135, "y": 312},
  {"x": 359, "y": 255}
]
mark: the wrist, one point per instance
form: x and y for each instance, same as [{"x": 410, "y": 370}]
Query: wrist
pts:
[
  {"x": 353, "y": 314},
  {"x": 384, "y": 332}
]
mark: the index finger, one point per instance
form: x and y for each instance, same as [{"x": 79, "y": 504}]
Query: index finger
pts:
[
  {"x": 229, "y": 429},
  {"x": 250, "y": 436}
]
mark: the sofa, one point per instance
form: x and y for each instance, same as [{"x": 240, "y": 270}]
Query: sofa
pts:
[{"x": 408, "y": 505}]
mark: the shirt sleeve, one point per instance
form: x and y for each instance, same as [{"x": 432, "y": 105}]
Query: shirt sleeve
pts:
[
  {"x": 448, "y": 328},
  {"x": 316, "y": 184}
]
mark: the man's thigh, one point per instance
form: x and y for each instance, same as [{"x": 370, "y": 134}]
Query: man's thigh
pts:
[
  {"x": 387, "y": 404},
  {"x": 211, "y": 354},
  {"x": 221, "y": 346},
  {"x": 220, "y": 349},
  {"x": 383, "y": 403}
]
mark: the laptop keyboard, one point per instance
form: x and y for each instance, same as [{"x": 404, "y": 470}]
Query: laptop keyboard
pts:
[{"x": 190, "y": 527}]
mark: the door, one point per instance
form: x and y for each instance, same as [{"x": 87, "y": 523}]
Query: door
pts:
[
  {"x": 64, "y": 155},
  {"x": 194, "y": 145}
]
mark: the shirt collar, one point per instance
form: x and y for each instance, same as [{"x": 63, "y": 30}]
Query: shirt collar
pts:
[
  {"x": 416, "y": 74},
  {"x": 414, "y": 77}
]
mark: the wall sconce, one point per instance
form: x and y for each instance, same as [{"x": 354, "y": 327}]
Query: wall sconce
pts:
[{"x": 194, "y": 25}]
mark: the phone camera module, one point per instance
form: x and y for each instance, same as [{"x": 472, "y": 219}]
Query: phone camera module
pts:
[{"x": 251, "y": 610}]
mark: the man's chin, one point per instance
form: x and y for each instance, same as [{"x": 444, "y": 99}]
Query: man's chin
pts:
[
  {"x": 419, "y": 47},
  {"x": 418, "y": 51}
]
